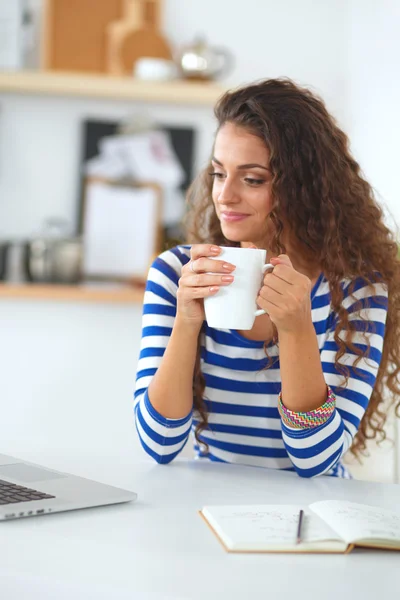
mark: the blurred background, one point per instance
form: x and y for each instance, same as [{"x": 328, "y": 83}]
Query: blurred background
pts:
[{"x": 106, "y": 115}]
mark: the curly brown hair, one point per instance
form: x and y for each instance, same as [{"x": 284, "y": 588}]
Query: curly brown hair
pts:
[{"x": 319, "y": 189}]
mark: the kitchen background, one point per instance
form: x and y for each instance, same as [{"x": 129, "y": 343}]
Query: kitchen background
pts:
[{"x": 69, "y": 354}]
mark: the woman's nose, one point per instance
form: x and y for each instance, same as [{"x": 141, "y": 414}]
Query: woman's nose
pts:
[{"x": 227, "y": 193}]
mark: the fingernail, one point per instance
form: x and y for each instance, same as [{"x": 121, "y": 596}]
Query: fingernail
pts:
[
  {"x": 214, "y": 288},
  {"x": 228, "y": 267},
  {"x": 214, "y": 249},
  {"x": 227, "y": 278}
]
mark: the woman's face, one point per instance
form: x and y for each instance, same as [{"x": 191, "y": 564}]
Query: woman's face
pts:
[{"x": 242, "y": 185}]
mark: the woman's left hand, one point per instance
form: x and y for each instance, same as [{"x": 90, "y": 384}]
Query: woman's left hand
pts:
[{"x": 285, "y": 295}]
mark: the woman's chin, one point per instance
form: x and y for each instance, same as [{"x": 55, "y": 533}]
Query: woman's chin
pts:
[
  {"x": 231, "y": 235},
  {"x": 231, "y": 238}
]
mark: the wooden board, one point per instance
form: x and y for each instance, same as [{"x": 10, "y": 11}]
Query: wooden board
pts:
[
  {"x": 85, "y": 292},
  {"x": 144, "y": 42},
  {"x": 119, "y": 89},
  {"x": 136, "y": 35},
  {"x": 143, "y": 12},
  {"x": 74, "y": 33}
]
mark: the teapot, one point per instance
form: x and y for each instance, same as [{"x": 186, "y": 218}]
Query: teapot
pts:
[
  {"x": 203, "y": 62},
  {"x": 54, "y": 256}
]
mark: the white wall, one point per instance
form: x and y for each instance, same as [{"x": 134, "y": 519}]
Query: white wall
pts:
[
  {"x": 69, "y": 367},
  {"x": 374, "y": 130},
  {"x": 374, "y": 94}
]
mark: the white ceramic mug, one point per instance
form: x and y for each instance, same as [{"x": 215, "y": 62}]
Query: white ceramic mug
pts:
[
  {"x": 155, "y": 69},
  {"x": 234, "y": 306}
]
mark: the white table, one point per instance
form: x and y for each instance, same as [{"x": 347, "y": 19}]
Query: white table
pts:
[{"x": 160, "y": 548}]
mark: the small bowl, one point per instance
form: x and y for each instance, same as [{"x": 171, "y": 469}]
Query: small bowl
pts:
[{"x": 155, "y": 69}]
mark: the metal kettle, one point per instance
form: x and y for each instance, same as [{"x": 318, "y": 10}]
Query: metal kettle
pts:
[
  {"x": 204, "y": 62},
  {"x": 54, "y": 256}
]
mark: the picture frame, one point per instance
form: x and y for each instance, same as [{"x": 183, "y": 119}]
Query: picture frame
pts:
[{"x": 121, "y": 229}]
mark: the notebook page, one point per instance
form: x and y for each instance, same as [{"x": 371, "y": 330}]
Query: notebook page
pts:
[
  {"x": 265, "y": 526},
  {"x": 355, "y": 522}
]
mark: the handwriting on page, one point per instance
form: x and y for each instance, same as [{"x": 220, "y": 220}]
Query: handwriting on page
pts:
[
  {"x": 273, "y": 524},
  {"x": 356, "y": 521},
  {"x": 376, "y": 522}
]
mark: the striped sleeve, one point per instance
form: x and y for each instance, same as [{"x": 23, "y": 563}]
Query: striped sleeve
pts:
[
  {"x": 161, "y": 438},
  {"x": 316, "y": 450}
]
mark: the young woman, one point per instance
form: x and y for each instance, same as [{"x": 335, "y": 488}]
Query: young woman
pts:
[{"x": 312, "y": 378}]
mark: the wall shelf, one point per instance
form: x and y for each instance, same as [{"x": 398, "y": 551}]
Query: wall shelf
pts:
[
  {"x": 107, "y": 86},
  {"x": 87, "y": 292}
]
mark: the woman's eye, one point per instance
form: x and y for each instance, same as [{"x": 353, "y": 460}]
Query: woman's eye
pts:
[
  {"x": 217, "y": 175},
  {"x": 252, "y": 181}
]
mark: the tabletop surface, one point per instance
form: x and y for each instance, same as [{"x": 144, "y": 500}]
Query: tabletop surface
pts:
[{"x": 159, "y": 547}]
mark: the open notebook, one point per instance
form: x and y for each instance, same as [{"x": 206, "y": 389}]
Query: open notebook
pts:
[{"x": 328, "y": 526}]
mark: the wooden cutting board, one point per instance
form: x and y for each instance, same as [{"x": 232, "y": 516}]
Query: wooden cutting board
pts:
[
  {"x": 135, "y": 36},
  {"x": 74, "y": 33}
]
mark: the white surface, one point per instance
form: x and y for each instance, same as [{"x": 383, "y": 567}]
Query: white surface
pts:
[
  {"x": 159, "y": 547},
  {"x": 11, "y": 34},
  {"x": 374, "y": 95},
  {"x": 120, "y": 230}
]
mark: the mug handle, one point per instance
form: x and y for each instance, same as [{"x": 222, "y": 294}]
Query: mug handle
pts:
[{"x": 261, "y": 311}]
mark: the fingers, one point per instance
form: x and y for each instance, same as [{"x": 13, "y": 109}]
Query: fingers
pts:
[
  {"x": 269, "y": 295},
  {"x": 282, "y": 259},
  {"x": 203, "y": 260},
  {"x": 202, "y": 285},
  {"x": 281, "y": 271},
  {"x": 204, "y": 274},
  {"x": 203, "y": 280},
  {"x": 187, "y": 294},
  {"x": 276, "y": 283},
  {"x": 198, "y": 250},
  {"x": 209, "y": 265}
]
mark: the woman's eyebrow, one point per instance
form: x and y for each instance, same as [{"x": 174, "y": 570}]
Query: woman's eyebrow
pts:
[{"x": 247, "y": 166}]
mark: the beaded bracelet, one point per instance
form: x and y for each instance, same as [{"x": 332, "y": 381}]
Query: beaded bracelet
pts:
[{"x": 311, "y": 418}]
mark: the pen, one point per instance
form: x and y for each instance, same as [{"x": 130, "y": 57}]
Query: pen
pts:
[{"x": 299, "y": 524}]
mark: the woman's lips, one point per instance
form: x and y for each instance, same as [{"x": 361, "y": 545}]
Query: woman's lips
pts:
[{"x": 233, "y": 216}]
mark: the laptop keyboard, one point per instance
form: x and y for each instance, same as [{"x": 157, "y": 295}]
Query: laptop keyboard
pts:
[{"x": 10, "y": 493}]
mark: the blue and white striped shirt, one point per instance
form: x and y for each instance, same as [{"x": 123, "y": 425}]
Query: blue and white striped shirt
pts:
[{"x": 242, "y": 396}]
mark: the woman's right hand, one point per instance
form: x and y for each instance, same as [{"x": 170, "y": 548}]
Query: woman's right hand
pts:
[{"x": 201, "y": 277}]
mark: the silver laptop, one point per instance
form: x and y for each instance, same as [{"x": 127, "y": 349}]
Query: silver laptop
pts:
[{"x": 27, "y": 490}]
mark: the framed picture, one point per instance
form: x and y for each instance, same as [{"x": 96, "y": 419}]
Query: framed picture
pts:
[{"x": 121, "y": 229}]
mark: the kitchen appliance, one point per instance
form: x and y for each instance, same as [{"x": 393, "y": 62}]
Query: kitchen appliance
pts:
[
  {"x": 54, "y": 256},
  {"x": 4, "y": 247},
  {"x": 203, "y": 62}
]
